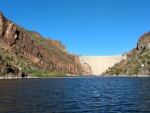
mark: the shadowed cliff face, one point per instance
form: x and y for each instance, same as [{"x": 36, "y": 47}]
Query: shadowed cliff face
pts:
[
  {"x": 33, "y": 53},
  {"x": 138, "y": 60}
]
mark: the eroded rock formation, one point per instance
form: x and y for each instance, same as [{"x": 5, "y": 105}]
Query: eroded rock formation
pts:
[{"x": 28, "y": 50}]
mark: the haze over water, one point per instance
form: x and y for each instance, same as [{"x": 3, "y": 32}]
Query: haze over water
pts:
[{"x": 75, "y": 95}]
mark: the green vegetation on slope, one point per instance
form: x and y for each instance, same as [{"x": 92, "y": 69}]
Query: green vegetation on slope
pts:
[{"x": 132, "y": 65}]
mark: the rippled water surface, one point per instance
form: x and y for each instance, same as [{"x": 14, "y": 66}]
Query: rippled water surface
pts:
[{"x": 75, "y": 95}]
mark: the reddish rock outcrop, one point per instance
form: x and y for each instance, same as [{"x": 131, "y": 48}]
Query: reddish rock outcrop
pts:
[
  {"x": 144, "y": 42},
  {"x": 87, "y": 69},
  {"x": 32, "y": 52}
]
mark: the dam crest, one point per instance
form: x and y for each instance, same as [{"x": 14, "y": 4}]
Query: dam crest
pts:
[{"x": 100, "y": 64}]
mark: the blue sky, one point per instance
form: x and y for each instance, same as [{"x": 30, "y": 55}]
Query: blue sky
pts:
[{"x": 86, "y": 27}]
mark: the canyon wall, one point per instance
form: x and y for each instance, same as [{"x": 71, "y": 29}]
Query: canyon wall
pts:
[
  {"x": 137, "y": 62},
  {"x": 34, "y": 54}
]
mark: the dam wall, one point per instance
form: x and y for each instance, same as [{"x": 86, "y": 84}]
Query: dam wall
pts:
[{"x": 100, "y": 64}]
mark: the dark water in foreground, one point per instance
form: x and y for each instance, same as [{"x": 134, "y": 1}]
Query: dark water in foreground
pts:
[{"x": 75, "y": 95}]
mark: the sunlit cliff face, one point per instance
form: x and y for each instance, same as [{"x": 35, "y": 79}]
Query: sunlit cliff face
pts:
[
  {"x": 29, "y": 50},
  {"x": 1, "y": 24}
]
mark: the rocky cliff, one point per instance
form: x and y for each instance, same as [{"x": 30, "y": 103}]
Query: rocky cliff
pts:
[
  {"x": 28, "y": 53},
  {"x": 87, "y": 68},
  {"x": 137, "y": 62}
]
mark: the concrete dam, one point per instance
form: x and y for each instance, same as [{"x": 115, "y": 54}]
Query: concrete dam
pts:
[{"x": 100, "y": 64}]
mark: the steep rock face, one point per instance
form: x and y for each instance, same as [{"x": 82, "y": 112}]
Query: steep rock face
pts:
[
  {"x": 144, "y": 42},
  {"x": 58, "y": 44},
  {"x": 33, "y": 53},
  {"x": 137, "y": 62},
  {"x": 87, "y": 68}
]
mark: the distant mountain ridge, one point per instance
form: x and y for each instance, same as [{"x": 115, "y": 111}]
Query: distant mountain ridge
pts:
[{"x": 33, "y": 54}]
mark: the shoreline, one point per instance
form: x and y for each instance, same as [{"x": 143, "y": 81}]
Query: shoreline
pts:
[
  {"x": 92, "y": 76},
  {"x": 6, "y": 78}
]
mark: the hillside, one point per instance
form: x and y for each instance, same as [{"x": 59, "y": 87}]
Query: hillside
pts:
[
  {"x": 25, "y": 53},
  {"x": 137, "y": 62}
]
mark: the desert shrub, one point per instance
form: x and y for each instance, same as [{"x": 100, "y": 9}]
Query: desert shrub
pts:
[
  {"x": 9, "y": 58},
  {"x": 1, "y": 57},
  {"x": 35, "y": 73},
  {"x": 136, "y": 70},
  {"x": 56, "y": 74}
]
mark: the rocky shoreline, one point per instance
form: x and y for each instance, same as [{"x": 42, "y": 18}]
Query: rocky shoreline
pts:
[
  {"x": 4, "y": 77},
  {"x": 125, "y": 75}
]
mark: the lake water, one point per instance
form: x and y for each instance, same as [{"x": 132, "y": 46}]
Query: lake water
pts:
[{"x": 75, "y": 95}]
